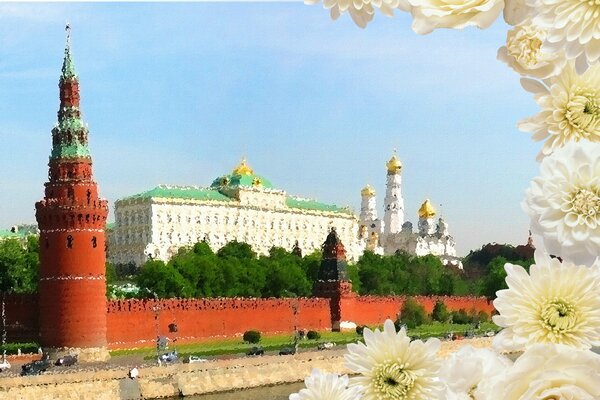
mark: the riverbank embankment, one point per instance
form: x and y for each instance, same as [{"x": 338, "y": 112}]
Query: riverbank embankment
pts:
[{"x": 111, "y": 382}]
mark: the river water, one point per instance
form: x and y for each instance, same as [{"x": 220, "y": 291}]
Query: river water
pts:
[{"x": 279, "y": 392}]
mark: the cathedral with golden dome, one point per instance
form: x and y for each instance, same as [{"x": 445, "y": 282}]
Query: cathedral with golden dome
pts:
[
  {"x": 393, "y": 233},
  {"x": 240, "y": 206}
]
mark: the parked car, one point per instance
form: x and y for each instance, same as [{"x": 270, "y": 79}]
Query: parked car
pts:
[
  {"x": 289, "y": 350},
  {"x": 256, "y": 351},
  {"x": 4, "y": 365},
  {"x": 325, "y": 346},
  {"x": 169, "y": 357},
  {"x": 35, "y": 367},
  {"x": 66, "y": 361}
]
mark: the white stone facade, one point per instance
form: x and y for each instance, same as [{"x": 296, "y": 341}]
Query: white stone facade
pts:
[
  {"x": 393, "y": 234},
  {"x": 155, "y": 224}
]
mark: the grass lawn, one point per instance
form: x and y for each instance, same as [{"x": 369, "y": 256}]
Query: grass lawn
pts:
[{"x": 276, "y": 342}]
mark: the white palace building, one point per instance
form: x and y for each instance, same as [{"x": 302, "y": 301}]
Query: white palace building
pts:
[
  {"x": 240, "y": 206},
  {"x": 245, "y": 207}
]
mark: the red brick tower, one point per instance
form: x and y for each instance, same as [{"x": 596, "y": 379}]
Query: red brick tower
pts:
[
  {"x": 72, "y": 219},
  {"x": 332, "y": 280}
]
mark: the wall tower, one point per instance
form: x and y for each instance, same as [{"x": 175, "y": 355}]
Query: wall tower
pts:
[
  {"x": 72, "y": 220},
  {"x": 333, "y": 281},
  {"x": 393, "y": 216}
]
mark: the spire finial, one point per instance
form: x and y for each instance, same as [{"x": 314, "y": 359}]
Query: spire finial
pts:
[
  {"x": 68, "y": 30},
  {"x": 68, "y": 69}
]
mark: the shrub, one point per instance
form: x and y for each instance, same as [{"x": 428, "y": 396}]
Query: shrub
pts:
[
  {"x": 483, "y": 316},
  {"x": 440, "y": 312},
  {"x": 313, "y": 335},
  {"x": 13, "y": 348},
  {"x": 412, "y": 314},
  {"x": 460, "y": 317},
  {"x": 252, "y": 337}
]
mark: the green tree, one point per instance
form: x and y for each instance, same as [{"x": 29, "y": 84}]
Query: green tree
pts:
[
  {"x": 310, "y": 265},
  {"x": 203, "y": 249},
  {"x": 235, "y": 249},
  {"x": 285, "y": 276},
  {"x": 354, "y": 277},
  {"x": 164, "y": 280},
  {"x": 495, "y": 279},
  {"x": 412, "y": 314},
  {"x": 19, "y": 265},
  {"x": 440, "y": 312}
]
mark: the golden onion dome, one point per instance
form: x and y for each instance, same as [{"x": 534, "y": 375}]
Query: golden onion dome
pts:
[
  {"x": 367, "y": 191},
  {"x": 243, "y": 168},
  {"x": 394, "y": 166},
  {"x": 426, "y": 210}
]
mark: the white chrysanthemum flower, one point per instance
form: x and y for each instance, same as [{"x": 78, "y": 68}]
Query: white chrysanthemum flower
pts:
[
  {"x": 564, "y": 202},
  {"x": 549, "y": 372},
  {"x": 326, "y": 386},
  {"x": 468, "y": 371},
  {"x": 516, "y": 12},
  {"x": 570, "y": 106},
  {"x": 523, "y": 52},
  {"x": 573, "y": 25},
  {"x": 361, "y": 11},
  {"x": 391, "y": 367},
  {"x": 555, "y": 303},
  {"x": 432, "y": 14}
]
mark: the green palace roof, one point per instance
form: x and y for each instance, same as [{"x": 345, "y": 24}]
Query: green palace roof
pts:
[
  {"x": 241, "y": 176},
  {"x": 8, "y": 234},
  {"x": 181, "y": 192},
  {"x": 310, "y": 204}
]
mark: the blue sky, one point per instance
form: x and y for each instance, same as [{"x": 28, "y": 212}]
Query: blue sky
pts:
[{"x": 178, "y": 93}]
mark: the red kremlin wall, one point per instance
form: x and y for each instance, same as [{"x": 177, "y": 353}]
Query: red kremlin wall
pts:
[
  {"x": 372, "y": 310},
  {"x": 136, "y": 323}
]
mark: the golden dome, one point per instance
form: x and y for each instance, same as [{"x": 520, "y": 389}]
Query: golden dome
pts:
[
  {"x": 394, "y": 166},
  {"x": 243, "y": 168},
  {"x": 367, "y": 191},
  {"x": 426, "y": 210}
]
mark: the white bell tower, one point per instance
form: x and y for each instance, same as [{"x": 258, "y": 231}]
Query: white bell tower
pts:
[{"x": 393, "y": 217}]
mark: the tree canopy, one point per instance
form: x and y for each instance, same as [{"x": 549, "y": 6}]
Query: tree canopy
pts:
[{"x": 19, "y": 265}]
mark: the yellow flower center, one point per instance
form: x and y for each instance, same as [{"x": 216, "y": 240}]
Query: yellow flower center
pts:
[
  {"x": 393, "y": 381},
  {"x": 559, "y": 316},
  {"x": 583, "y": 113},
  {"x": 586, "y": 203},
  {"x": 592, "y": 3}
]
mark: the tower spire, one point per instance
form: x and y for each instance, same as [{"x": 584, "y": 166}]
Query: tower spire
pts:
[
  {"x": 70, "y": 136},
  {"x": 68, "y": 68}
]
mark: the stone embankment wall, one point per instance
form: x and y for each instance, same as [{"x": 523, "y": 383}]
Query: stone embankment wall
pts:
[
  {"x": 136, "y": 323},
  {"x": 184, "y": 379}
]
